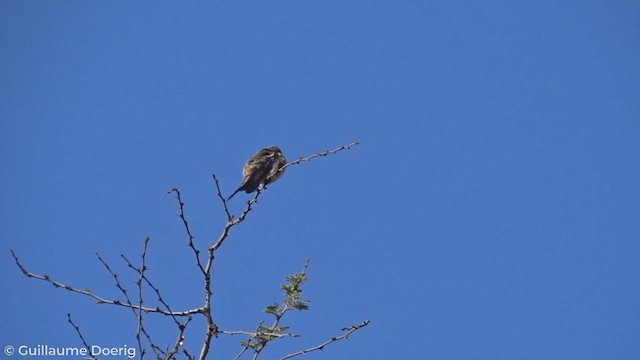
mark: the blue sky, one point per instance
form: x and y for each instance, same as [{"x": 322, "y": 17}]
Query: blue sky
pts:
[{"x": 490, "y": 212}]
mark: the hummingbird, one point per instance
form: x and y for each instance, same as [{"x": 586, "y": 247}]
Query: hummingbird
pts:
[{"x": 263, "y": 168}]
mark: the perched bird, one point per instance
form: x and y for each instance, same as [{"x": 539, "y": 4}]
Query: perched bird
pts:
[{"x": 261, "y": 168}]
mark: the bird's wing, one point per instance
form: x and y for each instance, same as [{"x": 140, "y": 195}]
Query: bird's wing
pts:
[{"x": 257, "y": 171}]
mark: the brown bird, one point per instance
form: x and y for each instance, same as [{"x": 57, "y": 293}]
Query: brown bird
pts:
[{"x": 261, "y": 169}]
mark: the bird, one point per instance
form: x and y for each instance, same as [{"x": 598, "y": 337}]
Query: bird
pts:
[{"x": 263, "y": 168}]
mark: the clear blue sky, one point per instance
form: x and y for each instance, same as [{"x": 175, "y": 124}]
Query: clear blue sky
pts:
[{"x": 492, "y": 210}]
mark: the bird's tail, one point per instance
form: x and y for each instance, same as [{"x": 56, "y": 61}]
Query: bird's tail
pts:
[{"x": 235, "y": 192}]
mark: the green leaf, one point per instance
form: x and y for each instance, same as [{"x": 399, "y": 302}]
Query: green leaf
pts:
[{"x": 274, "y": 309}]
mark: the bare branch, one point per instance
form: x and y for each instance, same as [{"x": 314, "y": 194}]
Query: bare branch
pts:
[
  {"x": 99, "y": 299},
  {"x": 186, "y": 353},
  {"x": 136, "y": 310},
  {"x": 224, "y": 201},
  {"x": 140, "y": 301},
  {"x": 187, "y": 229},
  {"x": 212, "y": 329},
  {"x": 86, "y": 345},
  {"x": 146, "y": 279},
  {"x": 241, "y": 352},
  {"x": 349, "y": 330},
  {"x": 255, "y": 334},
  {"x": 117, "y": 280},
  {"x": 232, "y": 223},
  {"x": 324, "y": 153},
  {"x": 138, "y": 314},
  {"x": 180, "y": 340}
]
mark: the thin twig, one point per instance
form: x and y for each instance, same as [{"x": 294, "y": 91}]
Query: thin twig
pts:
[
  {"x": 117, "y": 280},
  {"x": 324, "y": 153},
  {"x": 224, "y": 201},
  {"x": 141, "y": 329},
  {"x": 146, "y": 279},
  {"x": 187, "y": 229},
  {"x": 349, "y": 330},
  {"x": 232, "y": 223},
  {"x": 137, "y": 314},
  {"x": 255, "y": 334},
  {"x": 180, "y": 340},
  {"x": 86, "y": 345},
  {"x": 241, "y": 353},
  {"x": 186, "y": 353}
]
